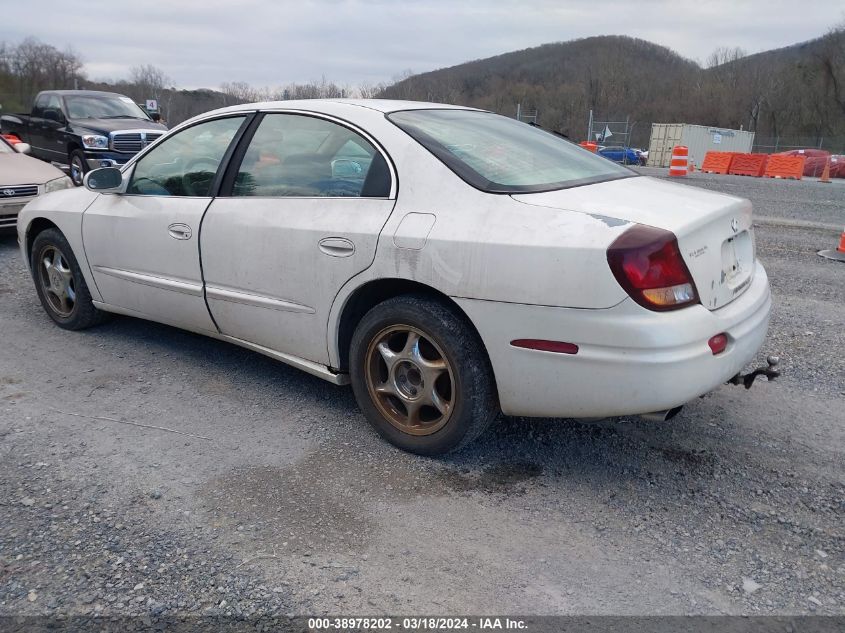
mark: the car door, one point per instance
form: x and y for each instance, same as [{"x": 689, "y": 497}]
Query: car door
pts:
[
  {"x": 53, "y": 126},
  {"x": 37, "y": 127},
  {"x": 613, "y": 153},
  {"x": 300, "y": 213},
  {"x": 143, "y": 246}
]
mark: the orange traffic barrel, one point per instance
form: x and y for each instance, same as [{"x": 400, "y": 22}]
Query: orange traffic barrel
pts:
[{"x": 680, "y": 161}]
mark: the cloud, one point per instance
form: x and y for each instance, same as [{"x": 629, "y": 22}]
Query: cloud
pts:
[{"x": 202, "y": 43}]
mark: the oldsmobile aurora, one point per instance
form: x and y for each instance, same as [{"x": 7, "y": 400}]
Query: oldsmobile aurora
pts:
[{"x": 448, "y": 262}]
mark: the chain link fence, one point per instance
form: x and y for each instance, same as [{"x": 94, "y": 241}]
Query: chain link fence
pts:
[{"x": 774, "y": 144}]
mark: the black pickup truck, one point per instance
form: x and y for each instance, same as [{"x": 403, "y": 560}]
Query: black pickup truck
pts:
[{"x": 84, "y": 129}]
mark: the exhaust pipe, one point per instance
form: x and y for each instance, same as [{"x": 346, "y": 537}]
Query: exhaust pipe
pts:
[{"x": 661, "y": 416}]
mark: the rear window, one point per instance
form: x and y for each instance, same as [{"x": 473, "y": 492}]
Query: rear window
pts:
[{"x": 500, "y": 155}]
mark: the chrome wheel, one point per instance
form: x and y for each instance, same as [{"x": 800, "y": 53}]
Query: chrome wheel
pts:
[
  {"x": 77, "y": 170},
  {"x": 410, "y": 380},
  {"x": 56, "y": 279}
]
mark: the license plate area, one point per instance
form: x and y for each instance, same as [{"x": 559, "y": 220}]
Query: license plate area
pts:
[{"x": 737, "y": 261}]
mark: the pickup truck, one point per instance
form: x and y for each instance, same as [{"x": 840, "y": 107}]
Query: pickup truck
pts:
[{"x": 84, "y": 129}]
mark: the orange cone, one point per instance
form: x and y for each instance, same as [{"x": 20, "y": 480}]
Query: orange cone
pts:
[
  {"x": 838, "y": 254},
  {"x": 826, "y": 173}
]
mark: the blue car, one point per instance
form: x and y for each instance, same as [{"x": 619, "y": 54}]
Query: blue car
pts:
[{"x": 624, "y": 155}]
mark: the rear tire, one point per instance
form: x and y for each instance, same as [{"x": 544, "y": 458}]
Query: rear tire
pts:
[
  {"x": 421, "y": 375},
  {"x": 60, "y": 284}
]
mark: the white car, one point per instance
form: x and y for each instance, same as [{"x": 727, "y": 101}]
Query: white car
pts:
[
  {"x": 448, "y": 262},
  {"x": 22, "y": 178}
]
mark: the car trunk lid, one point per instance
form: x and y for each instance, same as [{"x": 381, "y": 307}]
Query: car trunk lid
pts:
[{"x": 714, "y": 230}]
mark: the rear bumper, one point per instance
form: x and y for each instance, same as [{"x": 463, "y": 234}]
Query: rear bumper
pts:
[{"x": 630, "y": 360}]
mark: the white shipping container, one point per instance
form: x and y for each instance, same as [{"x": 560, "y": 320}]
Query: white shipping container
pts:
[{"x": 700, "y": 139}]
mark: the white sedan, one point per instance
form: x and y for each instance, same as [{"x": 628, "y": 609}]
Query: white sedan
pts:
[{"x": 450, "y": 263}]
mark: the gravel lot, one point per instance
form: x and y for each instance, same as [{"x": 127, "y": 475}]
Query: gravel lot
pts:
[{"x": 145, "y": 470}]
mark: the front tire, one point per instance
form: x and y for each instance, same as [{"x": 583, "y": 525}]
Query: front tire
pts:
[
  {"x": 421, "y": 375},
  {"x": 60, "y": 284},
  {"x": 78, "y": 167}
]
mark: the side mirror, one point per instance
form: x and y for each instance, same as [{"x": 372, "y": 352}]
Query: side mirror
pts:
[
  {"x": 22, "y": 148},
  {"x": 155, "y": 116},
  {"x": 104, "y": 180},
  {"x": 53, "y": 115}
]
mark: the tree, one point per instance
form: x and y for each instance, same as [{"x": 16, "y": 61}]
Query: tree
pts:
[
  {"x": 35, "y": 66},
  {"x": 149, "y": 81},
  {"x": 832, "y": 61}
]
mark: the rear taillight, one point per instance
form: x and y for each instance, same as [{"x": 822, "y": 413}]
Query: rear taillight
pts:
[
  {"x": 718, "y": 343},
  {"x": 647, "y": 263}
]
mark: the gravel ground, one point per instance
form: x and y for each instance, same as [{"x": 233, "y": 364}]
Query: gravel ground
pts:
[{"x": 145, "y": 470}]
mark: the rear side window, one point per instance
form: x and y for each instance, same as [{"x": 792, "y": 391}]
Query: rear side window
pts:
[
  {"x": 292, "y": 155},
  {"x": 500, "y": 155}
]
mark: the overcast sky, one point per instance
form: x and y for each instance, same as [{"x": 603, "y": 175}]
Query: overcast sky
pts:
[{"x": 203, "y": 43}]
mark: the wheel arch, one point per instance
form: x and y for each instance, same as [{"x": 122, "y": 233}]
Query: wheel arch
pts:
[
  {"x": 38, "y": 225},
  {"x": 72, "y": 146},
  {"x": 366, "y": 296},
  {"x": 73, "y": 234}
]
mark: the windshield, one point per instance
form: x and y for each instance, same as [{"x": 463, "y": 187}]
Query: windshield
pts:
[
  {"x": 500, "y": 155},
  {"x": 103, "y": 107}
]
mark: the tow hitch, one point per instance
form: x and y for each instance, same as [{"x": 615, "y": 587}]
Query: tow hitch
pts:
[{"x": 748, "y": 379}]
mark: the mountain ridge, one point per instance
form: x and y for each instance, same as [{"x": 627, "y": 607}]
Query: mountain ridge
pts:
[{"x": 788, "y": 91}]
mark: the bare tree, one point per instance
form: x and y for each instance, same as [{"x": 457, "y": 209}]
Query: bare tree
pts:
[
  {"x": 149, "y": 80},
  {"x": 36, "y": 66},
  {"x": 240, "y": 92}
]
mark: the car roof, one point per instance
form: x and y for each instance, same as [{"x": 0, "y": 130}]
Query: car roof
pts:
[
  {"x": 83, "y": 93},
  {"x": 330, "y": 106}
]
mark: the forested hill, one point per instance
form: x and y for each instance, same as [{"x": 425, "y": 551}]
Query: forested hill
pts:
[{"x": 797, "y": 91}]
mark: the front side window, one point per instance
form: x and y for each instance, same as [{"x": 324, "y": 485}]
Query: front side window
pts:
[
  {"x": 303, "y": 156},
  {"x": 186, "y": 163},
  {"x": 48, "y": 106},
  {"x": 500, "y": 155},
  {"x": 40, "y": 104}
]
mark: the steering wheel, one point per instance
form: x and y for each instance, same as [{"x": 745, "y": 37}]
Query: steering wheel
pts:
[{"x": 156, "y": 189}]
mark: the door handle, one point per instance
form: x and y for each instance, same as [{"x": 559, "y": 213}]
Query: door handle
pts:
[
  {"x": 337, "y": 246},
  {"x": 179, "y": 231}
]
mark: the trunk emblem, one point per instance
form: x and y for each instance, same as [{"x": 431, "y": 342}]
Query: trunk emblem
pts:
[{"x": 735, "y": 225}]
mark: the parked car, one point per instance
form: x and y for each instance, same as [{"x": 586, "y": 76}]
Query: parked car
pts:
[
  {"x": 83, "y": 129},
  {"x": 448, "y": 262},
  {"x": 618, "y": 154},
  {"x": 22, "y": 178}
]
